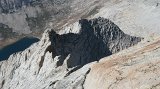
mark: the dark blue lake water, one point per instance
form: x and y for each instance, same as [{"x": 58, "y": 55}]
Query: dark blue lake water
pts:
[{"x": 17, "y": 47}]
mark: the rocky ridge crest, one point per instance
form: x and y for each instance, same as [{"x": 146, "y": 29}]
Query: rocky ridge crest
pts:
[{"x": 62, "y": 60}]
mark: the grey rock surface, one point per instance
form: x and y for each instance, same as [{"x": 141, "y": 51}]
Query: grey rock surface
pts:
[
  {"x": 62, "y": 61},
  {"x": 134, "y": 68},
  {"x": 70, "y": 58},
  {"x": 97, "y": 38},
  {"x": 31, "y": 17}
]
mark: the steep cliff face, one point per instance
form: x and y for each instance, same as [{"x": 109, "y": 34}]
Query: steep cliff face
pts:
[
  {"x": 62, "y": 60},
  {"x": 97, "y": 38}
]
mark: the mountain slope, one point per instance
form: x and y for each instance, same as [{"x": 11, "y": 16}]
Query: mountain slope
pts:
[
  {"x": 91, "y": 53},
  {"x": 134, "y": 17},
  {"x": 32, "y": 17},
  {"x": 135, "y": 68},
  {"x": 61, "y": 60}
]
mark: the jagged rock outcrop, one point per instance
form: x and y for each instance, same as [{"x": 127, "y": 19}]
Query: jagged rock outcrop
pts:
[
  {"x": 49, "y": 64},
  {"x": 97, "y": 38},
  {"x": 63, "y": 60}
]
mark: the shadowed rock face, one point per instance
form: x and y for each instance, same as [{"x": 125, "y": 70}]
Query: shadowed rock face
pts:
[
  {"x": 63, "y": 61},
  {"x": 97, "y": 38}
]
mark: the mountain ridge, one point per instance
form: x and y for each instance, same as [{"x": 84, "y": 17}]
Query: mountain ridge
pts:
[
  {"x": 115, "y": 45},
  {"x": 60, "y": 59}
]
